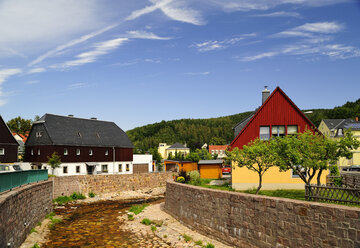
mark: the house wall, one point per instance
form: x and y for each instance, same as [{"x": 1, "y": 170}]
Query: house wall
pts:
[
  {"x": 11, "y": 153},
  {"x": 121, "y": 154},
  {"x": 243, "y": 179},
  {"x": 144, "y": 159},
  {"x": 21, "y": 209},
  {"x": 244, "y": 220},
  {"x": 102, "y": 184},
  {"x": 184, "y": 151},
  {"x": 162, "y": 150}
]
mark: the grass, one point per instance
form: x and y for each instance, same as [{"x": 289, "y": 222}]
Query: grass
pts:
[
  {"x": 165, "y": 236},
  {"x": 137, "y": 209},
  {"x": 35, "y": 246},
  {"x": 187, "y": 238},
  {"x": 146, "y": 221},
  {"x": 33, "y": 230},
  {"x": 153, "y": 228},
  {"x": 61, "y": 200},
  {"x": 52, "y": 214},
  {"x": 91, "y": 194},
  {"x": 199, "y": 243},
  {"x": 39, "y": 223},
  {"x": 130, "y": 217},
  {"x": 298, "y": 194},
  {"x": 209, "y": 245}
]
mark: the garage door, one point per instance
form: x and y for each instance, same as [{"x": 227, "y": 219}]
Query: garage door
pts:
[
  {"x": 140, "y": 168},
  {"x": 171, "y": 167},
  {"x": 210, "y": 171}
]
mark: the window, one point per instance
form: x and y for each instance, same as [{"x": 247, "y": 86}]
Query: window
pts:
[
  {"x": 65, "y": 169},
  {"x": 332, "y": 134},
  {"x": 292, "y": 130},
  {"x": 2, "y": 151},
  {"x": 77, "y": 152},
  {"x": 66, "y": 151},
  {"x": 106, "y": 152},
  {"x": 104, "y": 168},
  {"x": 340, "y": 131},
  {"x": 212, "y": 152},
  {"x": 120, "y": 168},
  {"x": 278, "y": 131},
  {"x": 127, "y": 167},
  {"x": 38, "y": 134},
  {"x": 265, "y": 133},
  {"x": 38, "y": 152},
  {"x": 32, "y": 152},
  {"x": 90, "y": 152},
  {"x": 78, "y": 169}
]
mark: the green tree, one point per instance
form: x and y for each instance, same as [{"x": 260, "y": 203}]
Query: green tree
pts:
[
  {"x": 54, "y": 161},
  {"x": 156, "y": 155},
  {"x": 217, "y": 141},
  {"x": 19, "y": 125},
  {"x": 257, "y": 156}
]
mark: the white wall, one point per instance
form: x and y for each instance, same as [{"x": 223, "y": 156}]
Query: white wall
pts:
[{"x": 143, "y": 159}]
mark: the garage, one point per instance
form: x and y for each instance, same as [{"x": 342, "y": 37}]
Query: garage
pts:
[
  {"x": 210, "y": 169},
  {"x": 140, "y": 168}
]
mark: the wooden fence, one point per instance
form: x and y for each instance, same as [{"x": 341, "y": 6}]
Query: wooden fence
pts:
[{"x": 332, "y": 194}]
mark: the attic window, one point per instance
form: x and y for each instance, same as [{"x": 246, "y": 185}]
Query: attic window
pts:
[
  {"x": 32, "y": 152},
  {"x": 340, "y": 131},
  {"x": 2, "y": 151},
  {"x": 292, "y": 130},
  {"x": 38, "y": 152},
  {"x": 90, "y": 152},
  {"x": 278, "y": 131},
  {"x": 79, "y": 134},
  {"x": 38, "y": 134},
  {"x": 66, "y": 151},
  {"x": 265, "y": 133},
  {"x": 77, "y": 152},
  {"x": 106, "y": 152}
]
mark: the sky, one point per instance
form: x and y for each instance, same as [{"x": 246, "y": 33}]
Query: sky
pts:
[{"x": 141, "y": 62}]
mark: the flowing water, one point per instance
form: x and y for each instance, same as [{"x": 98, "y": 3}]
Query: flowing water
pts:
[{"x": 92, "y": 225}]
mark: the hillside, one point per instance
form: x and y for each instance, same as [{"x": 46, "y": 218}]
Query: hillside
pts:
[{"x": 196, "y": 132}]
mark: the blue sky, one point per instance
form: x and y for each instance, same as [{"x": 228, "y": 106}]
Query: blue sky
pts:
[{"x": 140, "y": 62}]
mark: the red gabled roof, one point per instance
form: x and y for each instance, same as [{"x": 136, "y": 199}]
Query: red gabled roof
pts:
[{"x": 278, "y": 89}]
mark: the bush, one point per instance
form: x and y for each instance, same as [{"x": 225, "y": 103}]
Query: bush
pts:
[
  {"x": 91, "y": 194},
  {"x": 35, "y": 246},
  {"x": 209, "y": 245},
  {"x": 153, "y": 228},
  {"x": 146, "y": 221},
  {"x": 194, "y": 177},
  {"x": 137, "y": 209},
  {"x": 199, "y": 243},
  {"x": 187, "y": 238},
  {"x": 77, "y": 196},
  {"x": 33, "y": 230},
  {"x": 180, "y": 179},
  {"x": 130, "y": 217}
]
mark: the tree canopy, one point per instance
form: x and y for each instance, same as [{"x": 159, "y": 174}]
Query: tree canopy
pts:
[{"x": 19, "y": 125}]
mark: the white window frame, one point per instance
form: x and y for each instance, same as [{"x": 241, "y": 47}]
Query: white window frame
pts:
[
  {"x": 2, "y": 151},
  {"x": 76, "y": 169},
  {"x": 106, "y": 152},
  {"x": 297, "y": 129},
  {"x": 102, "y": 168},
  {"x": 78, "y": 152},
  {"x": 120, "y": 168},
  {"x": 32, "y": 152},
  {"x": 262, "y": 133},
  {"x": 127, "y": 167},
  {"x": 38, "y": 153},
  {"x": 66, "y": 152},
  {"x": 65, "y": 168},
  {"x": 38, "y": 134},
  {"x": 90, "y": 152}
]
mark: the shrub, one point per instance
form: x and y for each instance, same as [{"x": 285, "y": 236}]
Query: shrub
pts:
[
  {"x": 33, "y": 230},
  {"x": 77, "y": 196},
  {"x": 50, "y": 215},
  {"x": 199, "y": 243},
  {"x": 35, "y": 246},
  {"x": 62, "y": 199},
  {"x": 137, "y": 209},
  {"x": 146, "y": 221},
  {"x": 194, "y": 177},
  {"x": 180, "y": 179},
  {"x": 130, "y": 217},
  {"x": 91, "y": 194},
  {"x": 153, "y": 228},
  {"x": 209, "y": 245}
]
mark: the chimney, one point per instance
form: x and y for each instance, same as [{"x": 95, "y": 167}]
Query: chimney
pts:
[
  {"x": 356, "y": 118},
  {"x": 70, "y": 115},
  {"x": 93, "y": 118},
  {"x": 265, "y": 94}
]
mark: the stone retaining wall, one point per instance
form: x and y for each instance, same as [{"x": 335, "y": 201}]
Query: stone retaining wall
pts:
[
  {"x": 351, "y": 179},
  {"x": 245, "y": 220},
  {"x": 112, "y": 183},
  {"x": 21, "y": 209}
]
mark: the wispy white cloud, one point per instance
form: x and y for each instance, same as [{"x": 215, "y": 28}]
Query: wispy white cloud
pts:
[
  {"x": 220, "y": 44},
  {"x": 259, "y": 56},
  {"x": 197, "y": 73},
  {"x": 101, "y": 48},
  {"x": 175, "y": 10},
  {"x": 279, "y": 14},
  {"x": 6, "y": 73},
  {"x": 33, "y": 82},
  {"x": 36, "y": 70},
  {"x": 70, "y": 44},
  {"x": 311, "y": 29},
  {"x": 78, "y": 86},
  {"x": 136, "y": 61},
  {"x": 139, "y": 34}
]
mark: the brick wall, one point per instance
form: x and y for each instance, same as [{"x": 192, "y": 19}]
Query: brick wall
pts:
[
  {"x": 351, "y": 179},
  {"x": 245, "y": 220},
  {"x": 112, "y": 183},
  {"x": 21, "y": 209}
]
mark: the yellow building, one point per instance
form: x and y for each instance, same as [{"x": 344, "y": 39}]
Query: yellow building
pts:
[
  {"x": 244, "y": 179},
  {"x": 178, "y": 148},
  {"x": 334, "y": 129},
  {"x": 179, "y": 166}
]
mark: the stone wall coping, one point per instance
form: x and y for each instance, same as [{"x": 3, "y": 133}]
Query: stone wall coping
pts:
[
  {"x": 262, "y": 197},
  {"x": 4, "y": 196}
]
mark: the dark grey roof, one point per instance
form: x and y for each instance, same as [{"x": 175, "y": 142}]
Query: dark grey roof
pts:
[
  {"x": 177, "y": 146},
  {"x": 238, "y": 127},
  {"x": 216, "y": 161},
  {"x": 64, "y": 130},
  {"x": 333, "y": 123},
  {"x": 354, "y": 126}
]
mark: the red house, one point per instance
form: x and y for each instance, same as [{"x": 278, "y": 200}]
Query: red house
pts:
[{"x": 277, "y": 116}]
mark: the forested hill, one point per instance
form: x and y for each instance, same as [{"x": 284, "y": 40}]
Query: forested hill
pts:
[{"x": 196, "y": 132}]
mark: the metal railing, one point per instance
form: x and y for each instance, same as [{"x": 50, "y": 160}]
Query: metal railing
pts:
[
  {"x": 13, "y": 179},
  {"x": 332, "y": 194}
]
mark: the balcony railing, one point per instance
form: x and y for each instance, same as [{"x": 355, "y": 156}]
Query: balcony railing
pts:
[{"x": 13, "y": 179}]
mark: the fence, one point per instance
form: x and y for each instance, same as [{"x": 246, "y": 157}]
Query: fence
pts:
[
  {"x": 332, "y": 194},
  {"x": 10, "y": 180}
]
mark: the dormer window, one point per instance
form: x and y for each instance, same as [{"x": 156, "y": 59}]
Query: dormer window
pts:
[
  {"x": 106, "y": 152},
  {"x": 340, "y": 132},
  {"x": 77, "y": 152},
  {"x": 79, "y": 134},
  {"x": 98, "y": 135},
  {"x": 90, "y": 152},
  {"x": 66, "y": 151},
  {"x": 38, "y": 134}
]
